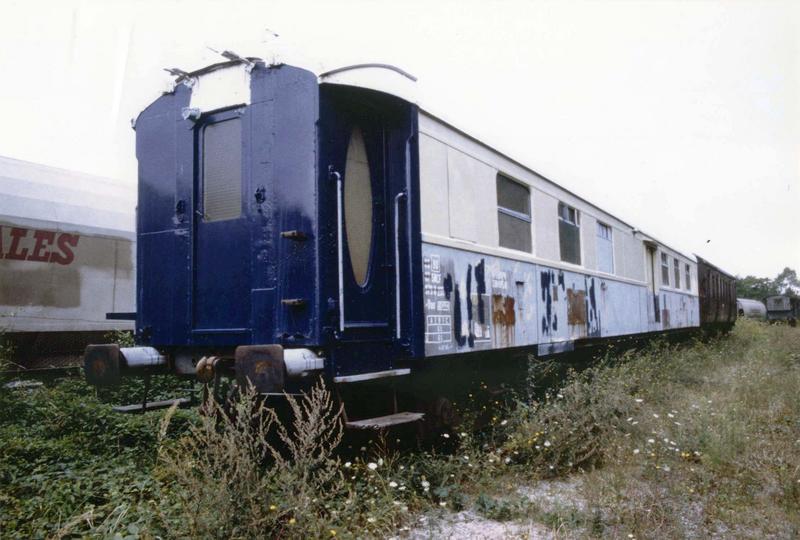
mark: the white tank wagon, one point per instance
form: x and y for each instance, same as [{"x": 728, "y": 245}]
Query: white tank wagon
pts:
[
  {"x": 753, "y": 309},
  {"x": 67, "y": 258}
]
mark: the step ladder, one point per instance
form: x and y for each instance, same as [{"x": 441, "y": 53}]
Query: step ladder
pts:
[{"x": 378, "y": 422}]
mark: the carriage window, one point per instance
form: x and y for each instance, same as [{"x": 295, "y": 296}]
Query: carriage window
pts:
[
  {"x": 676, "y": 266},
  {"x": 358, "y": 206},
  {"x": 688, "y": 278},
  {"x": 605, "y": 249},
  {"x": 664, "y": 270},
  {"x": 222, "y": 170},
  {"x": 569, "y": 233},
  {"x": 513, "y": 214}
]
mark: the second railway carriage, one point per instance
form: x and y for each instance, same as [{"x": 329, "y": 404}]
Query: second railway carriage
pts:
[
  {"x": 67, "y": 257},
  {"x": 783, "y": 307},
  {"x": 290, "y": 222}
]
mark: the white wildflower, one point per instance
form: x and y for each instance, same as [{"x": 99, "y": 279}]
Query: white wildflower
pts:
[
  {"x": 547, "y": 443},
  {"x": 347, "y": 464},
  {"x": 670, "y": 415},
  {"x": 504, "y": 422},
  {"x": 655, "y": 415},
  {"x": 635, "y": 450},
  {"x": 392, "y": 484},
  {"x": 638, "y": 400},
  {"x": 651, "y": 441},
  {"x": 372, "y": 466},
  {"x": 446, "y": 435},
  {"x": 442, "y": 504}
]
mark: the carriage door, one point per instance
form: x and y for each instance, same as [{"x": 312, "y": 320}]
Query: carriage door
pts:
[
  {"x": 651, "y": 277},
  {"x": 221, "y": 265},
  {"x": 357, "y": 135}
]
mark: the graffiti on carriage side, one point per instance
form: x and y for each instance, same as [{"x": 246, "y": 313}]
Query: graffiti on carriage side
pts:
[
  {"x": 565, "y": 298},
  {"x": 475, "y": 302}
]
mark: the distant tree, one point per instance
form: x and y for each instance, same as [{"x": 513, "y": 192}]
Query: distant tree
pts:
[
  {"x": 788, "y": 283},
  {"x": 755, "y": 287}
]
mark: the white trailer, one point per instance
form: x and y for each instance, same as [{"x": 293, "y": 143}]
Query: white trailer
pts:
[{"x": 67, "y": 256}]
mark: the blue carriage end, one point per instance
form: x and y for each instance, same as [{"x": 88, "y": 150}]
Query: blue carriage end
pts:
[{"x": 242, "y": 233}]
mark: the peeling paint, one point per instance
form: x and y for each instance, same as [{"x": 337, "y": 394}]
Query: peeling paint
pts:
[
  {"x": 537, "y": 314},
  {"x": 504, "y": 318},
  {"x": 576, "y": 307}
]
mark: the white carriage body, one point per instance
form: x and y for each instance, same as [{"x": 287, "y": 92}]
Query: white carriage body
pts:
[
  {"x": 67, "y": 249},
  {"x": 511, "y": 298}
]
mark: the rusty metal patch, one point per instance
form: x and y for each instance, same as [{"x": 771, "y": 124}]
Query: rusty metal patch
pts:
[
  {"x": 576, "y": 307},
  {"x": 504, "y": 318}
]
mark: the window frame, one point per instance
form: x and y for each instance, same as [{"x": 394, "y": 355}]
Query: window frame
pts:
[
  {"x": 571, "y": 216},
  {"x": 676, "y": 269},
  {"x": 664, "y": 269},
  {"x": 688, "y": 275},
  {"x": 202, "y": 152},
  {"x": 605, "y": 227},
  {"x": 527, "y": 218}
]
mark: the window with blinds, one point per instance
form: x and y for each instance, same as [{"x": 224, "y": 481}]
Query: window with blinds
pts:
[{"x": 222, "y": 170}]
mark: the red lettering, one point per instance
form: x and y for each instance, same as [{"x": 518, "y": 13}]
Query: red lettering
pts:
[
  {"x": 44, "y": 239},
  {"x": 15, "y": 252},
  {"x": 65, "y": 243}
]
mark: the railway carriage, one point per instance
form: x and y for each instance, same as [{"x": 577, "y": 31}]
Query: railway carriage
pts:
[
  {"x": 782, "y": 307},
  {"x": 67, "y": 257},
  {"x": 291, "y": 222}
]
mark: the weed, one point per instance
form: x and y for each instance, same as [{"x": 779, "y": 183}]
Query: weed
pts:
[{"x": 123, "y": 338}]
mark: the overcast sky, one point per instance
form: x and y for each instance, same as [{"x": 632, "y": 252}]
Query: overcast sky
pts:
[{"x": 682, "y": 118}]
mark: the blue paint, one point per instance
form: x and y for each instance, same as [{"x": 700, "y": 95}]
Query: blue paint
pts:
[{"x": 216, "y": 285}]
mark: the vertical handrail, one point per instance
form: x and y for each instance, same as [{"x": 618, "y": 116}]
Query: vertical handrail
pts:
[
  {"x": 339, "y": 241},
  {"x": 398, "y": 324}
]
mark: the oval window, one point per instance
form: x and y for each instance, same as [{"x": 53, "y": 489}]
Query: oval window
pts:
[{"x": 358, "y": 206}]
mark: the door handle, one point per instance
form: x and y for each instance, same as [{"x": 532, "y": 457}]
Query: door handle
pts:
[
  {"x": 398, "y": 324},
  {"x": 335, "y": 176}
]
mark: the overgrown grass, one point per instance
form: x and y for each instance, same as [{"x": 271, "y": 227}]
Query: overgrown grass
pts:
[
  {"x": 677, "y": 442},
  {"x": 669, "y": 442}
]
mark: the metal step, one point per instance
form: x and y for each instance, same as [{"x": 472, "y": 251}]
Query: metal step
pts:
[
  {"x": 152, "y": 405},
  {"x": 381, "y": 422},
  {"x": 370, "y": 376}
]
